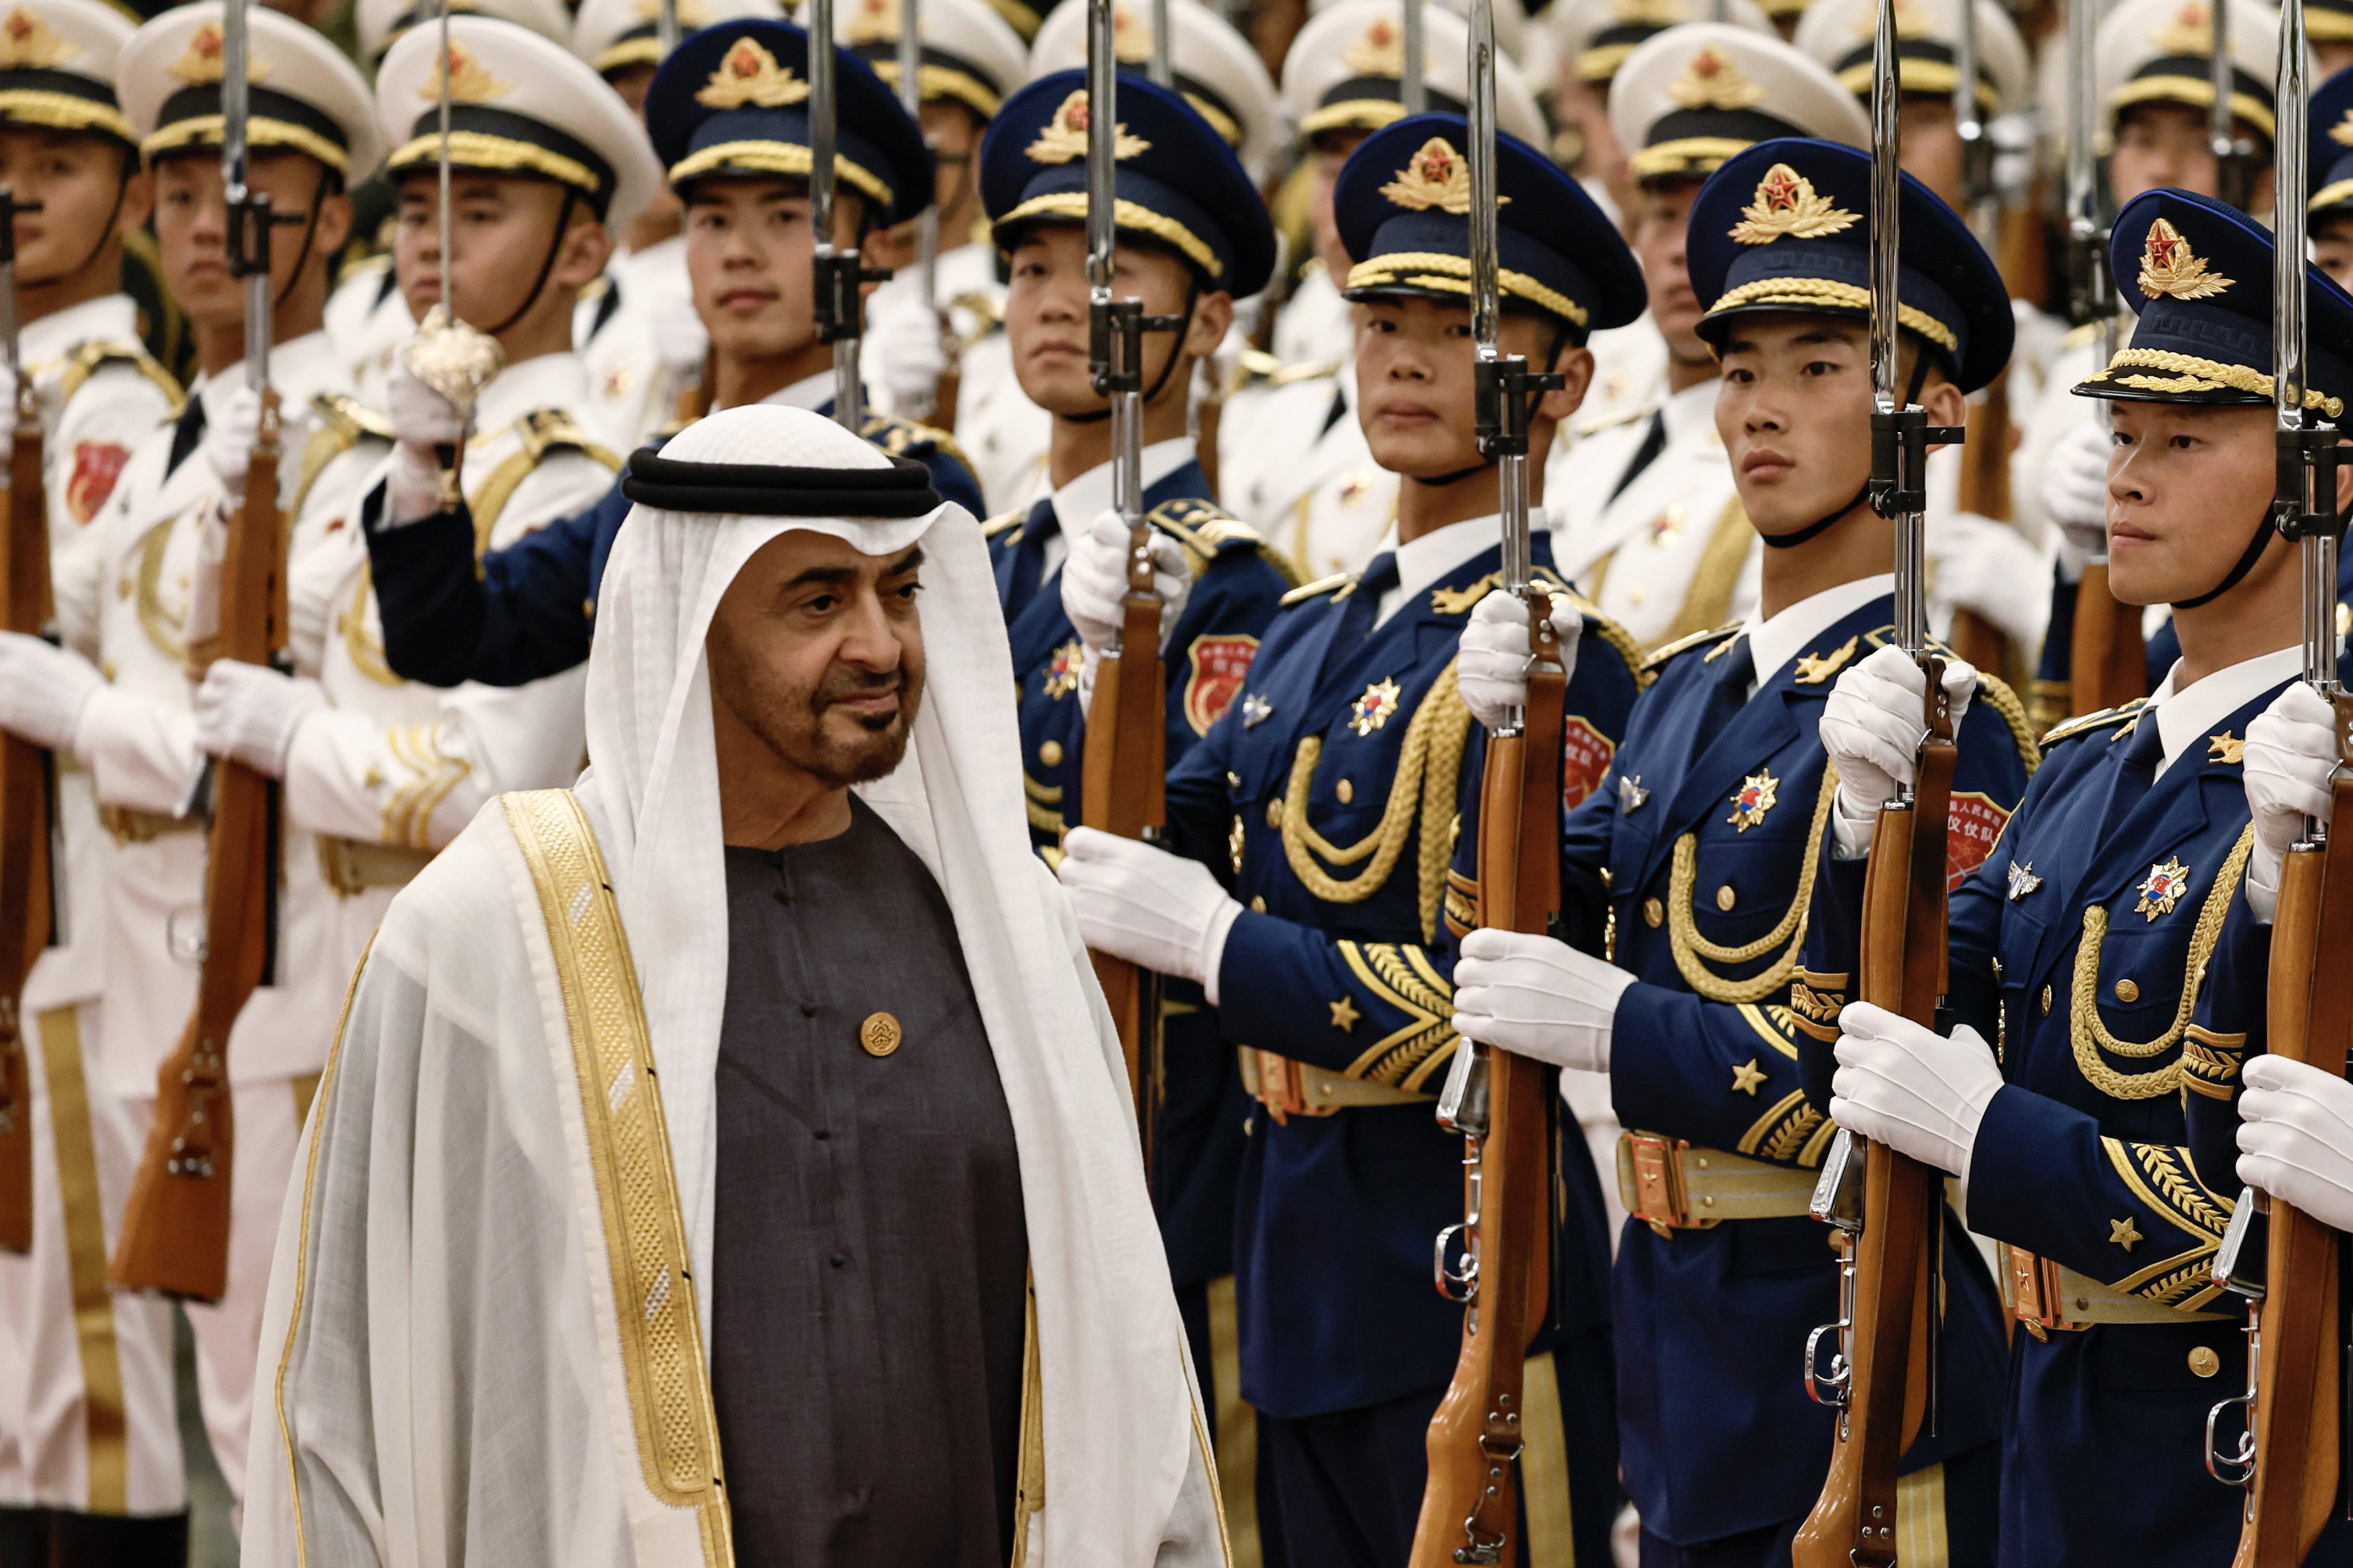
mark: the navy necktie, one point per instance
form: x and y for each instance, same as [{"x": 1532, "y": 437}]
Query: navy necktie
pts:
[
  {"x": 1030, "y": 558},
  {"x": 2143, "y": 750},
  {"x": 1363, "y": 604}
]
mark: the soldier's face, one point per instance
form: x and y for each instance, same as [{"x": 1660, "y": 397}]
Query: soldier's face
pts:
[
  {"x": 501, "y": 228},
  {"x": 2160, "y": 145},
  {"x": 1045, "y": 316},
  {"x": 192, "y": 226},
  {"x": 816, "y": 660},
  {"x": 2332, "y": 248},
  {"x": 1661, "y": 220},
  {"x": 2187, "y": 484},
  {"x": 748, "y": 249},
  {"x": 1414, "y": 382},
  {"x": 1930, "y": 147},
  {"x": 87, "y": 188}
]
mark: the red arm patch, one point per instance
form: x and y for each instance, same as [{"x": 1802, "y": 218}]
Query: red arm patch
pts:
[
  {"x": 1585, "y": 755},
  {"x": 1220, "y": 666},
  {"x": 1973, "y": 825},
  {"x": 96, "y": 466}
]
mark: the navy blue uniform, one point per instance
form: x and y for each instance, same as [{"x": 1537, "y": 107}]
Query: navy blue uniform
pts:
[
  {"x": 1341, "y": 800},
  {"x": 1715, "y": 809},
  {"x": 532, "y": 609}
]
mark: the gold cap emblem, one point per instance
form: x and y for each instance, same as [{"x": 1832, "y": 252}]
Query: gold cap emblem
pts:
[
  {"x": 1785, "y": 203},
  {"x": 2191, "y": 31},
  {"x": 1064, "y": 138},
  {"x": 748, "y": 74},
  {"x": 1381, "y": 52},
  {"x": 2168, "y": 265},
  {"x": 1131, "y": 36},
  {"x": 1711, "y": 81},
  {"x": 202, "y": 64},
  {"x": 469, "y": 81},
  {"x": 1436, "y": 177},
  {"x": 2342, "y": 132},
  {"x": 874, "y": 21},
  {"x": 27, "y": 43}
]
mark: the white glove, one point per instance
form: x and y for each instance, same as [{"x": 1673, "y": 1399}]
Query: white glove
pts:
[
  {"x": 1977, "y": 564},
  {"x": 1903, "y": 1085},
  {"x": 1871, "y": 727},
  {"x": 1537, "y": 997},
  {"x": 2295, "y": 1138},
  {"x": 1147, "y": 906},
  {"x": 2076, "y": 489},
  {"x": 906, "y": 350},
  {"x": 247, "y": 714},
  {"x": 230, "y": 435},
  {"x": 1094, "y": 581},
  {"x": 2291, "y": 760},
  {"x": 43, "y": 690},
  {"x": 422, "y": 421},
  {"x": 1493, "y": 670}
]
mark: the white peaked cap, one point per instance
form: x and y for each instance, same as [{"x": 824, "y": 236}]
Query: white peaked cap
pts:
[
  {"x": 305, "y": 97},
  {"x": 1215, "y": 67},
  {"x": 1694, "y": 95},
  {"x": 381, "y": 21},
  {"x": 970, "y": 53},
  {"x": 1510, "y": 23},
  {"x": 1597, "y": 35},
  {"x": 520, "y": 104},
  {"x": 1839, "y": 34},
  {"x": 1363, "y": 41},
  {"x": 2139, "y": 35},
  {"x": 611, "y": 34}
]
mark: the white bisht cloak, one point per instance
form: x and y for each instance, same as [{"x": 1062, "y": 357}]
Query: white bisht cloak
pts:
[{"x": 476, "y": 1349}]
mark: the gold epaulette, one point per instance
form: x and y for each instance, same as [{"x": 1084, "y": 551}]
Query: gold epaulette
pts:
[
  {"x": 1004, "y": 521},
  {"x": 338, "y": 424},
  {"x": 900, "y": 436},
  {"x": 1206, "y": 531},
  {"x": 1256, "y": 367},
  {"x": 2090, "y": 722},
  {"x": 1994, "y": 689},
  {"x": 1659, "y": 656},
  {"x": 88, "y": 359},
  {"x": 987, "y": 307},
  {"x": 1619, "y": 416},
  {"x": 2078, "y": 336},
  {"x": 1317, "y": 589},
  {"x": 544, "y": 433},
  {"x": 361, "y": 264}
]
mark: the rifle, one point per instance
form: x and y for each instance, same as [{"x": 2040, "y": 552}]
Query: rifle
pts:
[
  {"x": 174, "y": 1236},
  {"x": 838, "y": 307},
  {"x": 1503, "y": 1105},
  {"x": 1884, "y": 1380},
  {"x": 2108, "y": 663},
  {"x": 1124, "y": 773},
  {"x": 30, "y": 853},
  {"x": 2290, "y": 1459},
  {"x": 1984, "y": 487}
]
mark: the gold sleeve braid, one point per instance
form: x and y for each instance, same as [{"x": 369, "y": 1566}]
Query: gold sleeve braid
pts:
[
  {"x": 1403, "y": 978},
  {"x": 2167, "y": 1185},
  {"x": 2090, "y": 1037}
]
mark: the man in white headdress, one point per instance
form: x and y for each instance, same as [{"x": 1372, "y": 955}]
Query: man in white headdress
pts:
[{"x": 525, "y": 1304}]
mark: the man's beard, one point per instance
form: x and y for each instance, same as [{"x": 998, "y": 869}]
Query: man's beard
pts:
[{"x": 792, "y": 720}]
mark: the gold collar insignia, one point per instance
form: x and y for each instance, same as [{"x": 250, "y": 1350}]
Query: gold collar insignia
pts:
[
  {"x": 1785, "y": 203},
  {"x": 2225, "y": 748},
  {"x": 27, "y": 43},
  {"x": 1815, "y": 668},
  {"x": 1064, "y": 138},
  {"x": 749, "y": 73},
  {"x": 2168, "y": 265}
]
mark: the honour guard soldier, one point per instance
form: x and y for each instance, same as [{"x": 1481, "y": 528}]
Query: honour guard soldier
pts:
[
  {"x": 1332, "y": 817},
  {"x": 382, "y": 772},
  {"x": 1292, "y": 459},
  {"x": 729, "y": 117},
  {"x": 2085, "y": 1106},
  {"x": 1704, "y": 841},
  {"x": 132, "y": 596},
  {"x": 972, "y": 61},
  {"x": 87, "y": 1425},
  {"x": 1191, "y": 235},
  {"x": 1647, "y": 520},
  {"x": 636, "y": 328},
  {"x": 2330, "y": 163}
]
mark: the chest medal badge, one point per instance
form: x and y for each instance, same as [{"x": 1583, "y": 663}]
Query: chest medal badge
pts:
[
  {"x": 2163, "y": 887},
  {"x": 1256, "y": 711},
  {"x": 1374, "y": 708},
  {"x": 1062, "y": 669},
  {"x": 2022, "y": 879},
  {"x": 1757, "y": 796}
]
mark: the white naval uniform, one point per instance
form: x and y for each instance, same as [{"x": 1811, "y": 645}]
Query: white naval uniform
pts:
[
  {"x": 127, "y": 598},
  {"x": 87, "y": 1420},
  {"x": 1316, "y": 325},
  {"x": 1297, "y": 467},
  {"x": 367, "y": 320},
  {"x": 391, "y": 769},
  {"x": 1671, "y": 553},
  {"x": 648, "y": 350}
]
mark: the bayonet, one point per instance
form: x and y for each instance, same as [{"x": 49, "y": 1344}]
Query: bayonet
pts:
[
  {"x": 1413, "y": 85},
  {"x": 840, "y": 272},
  {"x": 1162, "y": 68}
]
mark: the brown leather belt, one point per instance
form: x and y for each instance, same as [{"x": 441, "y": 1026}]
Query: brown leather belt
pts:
[
  {"x": 1670, "y": 1185},
  {"x": 1288, "y": 1088},
  {"x": 351, "y": 865},
  {"x": 131, "y": 825},
  {"x": 2046, "y": 1296}
]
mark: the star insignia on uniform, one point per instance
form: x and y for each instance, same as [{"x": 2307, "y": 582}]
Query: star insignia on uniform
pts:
[
  {"x": 1256, "y": 709},
  {"x": 1786, "y": 203},
  {"x": 1630, "y": 792},
  {"x": 1747, "y": 1076},
  {"x": 2123, "y": 1233},
  {"x": 2022, "y": 879},
  {"x": 1343, "y": 1014},
  {"x": 1373, "y": 709},
  {"x": 1813, "y": 668},
  {"x": 1062, "y": 669},
  {"x": 2168, "y": 265},
  {"x": 2165, "y": 883},
  {"x": 2225, "y": 748},
  {"x": 1755, "y": 797}
]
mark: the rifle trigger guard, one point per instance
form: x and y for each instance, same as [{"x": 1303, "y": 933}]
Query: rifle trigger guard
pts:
[{"x": 1459, "y": 1286}]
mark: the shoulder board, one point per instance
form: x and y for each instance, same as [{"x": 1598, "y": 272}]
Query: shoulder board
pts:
[
  {"x": 1306, "y": 370},
  {"x": 987, "y": 307},
  {"x": 900, "y": 438},
  {"x": 2077, "y": 337},
  {"x": 1317, "y": 589},
  {"x": 1207, "y": 532},
  {"x": 1660, "y": 655},
  {"x": 546, "y": 431},
  {"x": 2091, "y": 721},
  {"x": 1252, "y": 367},
  {"x": 88, "y": 359},
  {"x": 363, "y": 265},
  {"x": 1996, "y": 691},
  {"x": 1616, "y": 418},
  {"x": 349, "y": 419},
  {"x": 1004, "y": 521}
]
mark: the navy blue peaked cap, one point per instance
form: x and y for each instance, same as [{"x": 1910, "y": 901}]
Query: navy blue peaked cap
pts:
[
  {"x": 2200, "y": 274},
  {"x": 734, "y": 101},
  {"x": 2330, "y": 160},
  {"x": 1178, "y": 183},
  {"x": 1785, "y": 226},
  {"x": 1403, "y": 204}
]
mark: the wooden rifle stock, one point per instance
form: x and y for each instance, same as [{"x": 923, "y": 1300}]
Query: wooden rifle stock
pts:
[
  {"x": 2297, "y": 1413},
  {"x": 28, "y": 813},
  {"x": 1125, "y": 782},
  {"x": 174, "y": 1236},
  {"x": 1903, "y": 970},
  {"x": 2108, "y": 663},
  {"x": 1469, "y": 1509}
]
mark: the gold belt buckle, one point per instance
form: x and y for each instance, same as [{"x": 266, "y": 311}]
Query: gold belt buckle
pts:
[
  {"x": 1659, "y": 1196},
  {"x": 2034, "y": 1292}
]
